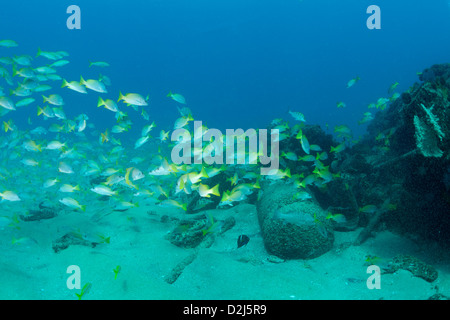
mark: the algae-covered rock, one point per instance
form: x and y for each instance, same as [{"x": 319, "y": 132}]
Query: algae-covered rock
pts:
[
  {"x": 36, "y": 215},
  {"x": 72, "y": 238},
  {"x": 45, "y": 211},
  {"x": 190, "y": 233},
  {"x": 417, "y": 267},
  {"x": 407, "y": 148},
  {"x": 292, "y": 229}
]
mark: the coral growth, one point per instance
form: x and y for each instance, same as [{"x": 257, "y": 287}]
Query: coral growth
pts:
[
  {"x": 405, "y": 158},
  {"x": 426, "y": 139}
]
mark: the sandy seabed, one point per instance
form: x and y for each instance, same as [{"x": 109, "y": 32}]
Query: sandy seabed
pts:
[{"x": 32, "y": 270}]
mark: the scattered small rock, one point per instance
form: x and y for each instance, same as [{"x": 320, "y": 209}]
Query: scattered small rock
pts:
[
  {"x": 438, "y": 296},
  {"x": 417, "y": 267},
  {"x": 71, "y": 239},
  {"x": 178, "y": 270},
  {"x": 35, "y": 215},
  {"x": 275, "y": 259}
]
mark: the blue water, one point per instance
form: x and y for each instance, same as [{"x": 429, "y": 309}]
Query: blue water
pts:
[{"x": 240, "y": 63}]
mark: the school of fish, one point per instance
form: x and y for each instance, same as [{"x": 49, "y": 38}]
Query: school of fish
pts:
[{"x": 70, "y": 162}]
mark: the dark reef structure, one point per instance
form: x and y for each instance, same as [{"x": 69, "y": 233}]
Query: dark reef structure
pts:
[
  {"x": 401, "y": 166},
  {"x": 414, "y": 172},
  {"x": 397, "y": 177},
  {"x": 404, "y": 161}
]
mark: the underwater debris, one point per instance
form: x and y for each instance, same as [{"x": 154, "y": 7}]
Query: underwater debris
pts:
[
  {"x": 439, "y": 296},
  {"x": 426, "y": 139},
  {"x": 410, "y": 263},
  {"x": 375, "y": 217},
  {"x": 428, "y": 132},
  {"x": 392, "y": 161},
  {"x": 41, "y": 214},
  {"x": 292, "y": 229},
  {"x": 190, "y": 234},
  {"x": 176, "y": 272},
  {"x": 275, "y": 259},
  {"x": 406, "y": 156},
  {"x": 434, "y": 121},
  {"x": 201, "y": 229},
  {"x": 72, "y": 238}
]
